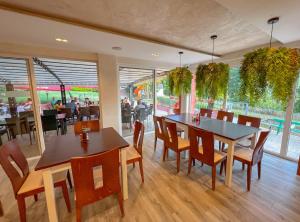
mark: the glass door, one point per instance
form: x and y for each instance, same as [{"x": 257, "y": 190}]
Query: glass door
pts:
[
  {"x": 137, "y": 98},
  {"x": 16, "y": 107}
]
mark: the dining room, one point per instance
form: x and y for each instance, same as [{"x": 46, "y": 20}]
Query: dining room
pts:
[{"x": 149, "y": 111}]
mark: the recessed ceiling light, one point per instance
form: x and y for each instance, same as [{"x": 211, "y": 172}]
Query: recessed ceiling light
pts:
[
  {"x": 155, "y": 54},
  {"x": 117, "y": 48},
  {"x": 61, "y": 40}
]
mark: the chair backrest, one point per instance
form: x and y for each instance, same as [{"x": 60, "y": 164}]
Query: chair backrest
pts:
[
  {"x": 93, "y": 125},
  {"x": 67, "y": 111},
  {"x": 11, "y": 151},
  {"x": 84, "y": 111},
  {"x": 49, "y": 122},
  {"x": 170, "y": 134},
  {"x": 138, "y": 137},
  {"x": 82, "y": 168},
  {"x": 205, "y": 112},
  {"x": 249, "y": 120},
  {"x": 49, "y": 112},
  {"x": 223, "y": 115},
  {"x": 94, "y": 110},
  {"x": 199, "y": 137},
  {"x": 259, "y": 148},
  {"x": 158, "y": 124},
  {"x": 26, "y": 114}
]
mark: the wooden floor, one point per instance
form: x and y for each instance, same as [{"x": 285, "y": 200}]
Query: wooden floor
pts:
[{"x": 167, "y": 196}]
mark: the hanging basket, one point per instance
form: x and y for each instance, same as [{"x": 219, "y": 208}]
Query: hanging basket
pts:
[{"x": 276, "y": 69}]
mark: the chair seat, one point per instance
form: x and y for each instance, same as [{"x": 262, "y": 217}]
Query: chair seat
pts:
[
  {"x": 35, "y": 180},
  {"x": 218, "y": 155},
  {"x": 132, "y": 153},
  {"x": 243, "y": 153},
  {"x": 183, "y": 143}
]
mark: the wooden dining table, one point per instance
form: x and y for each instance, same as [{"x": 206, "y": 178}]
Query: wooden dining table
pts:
[
  {"x": 57, "y": 155},
  {"x": 226, "y": 132}
]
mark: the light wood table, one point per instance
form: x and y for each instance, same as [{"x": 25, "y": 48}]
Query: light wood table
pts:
[
  {"x": 58, "y": 153},
  {"x": 226, "y": 132}
]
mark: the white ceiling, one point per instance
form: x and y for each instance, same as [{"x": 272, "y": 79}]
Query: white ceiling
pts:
[
  {"x": 257, "y": 12},
  {"x": 24, "y": 29}
]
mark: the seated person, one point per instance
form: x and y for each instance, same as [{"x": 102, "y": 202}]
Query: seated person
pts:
[
  {"x": 53, "y": 101},
  {"x": 73, "y": 107},
  {"x": 58, "y": 105}
]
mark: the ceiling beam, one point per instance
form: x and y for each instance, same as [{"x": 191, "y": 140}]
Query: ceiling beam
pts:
[{"x": 96, "y": 27}]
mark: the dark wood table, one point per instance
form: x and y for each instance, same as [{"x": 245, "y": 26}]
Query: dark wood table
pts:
[
  {"x": 58, "y": 153},
  {"x": 226, "y": 132}
]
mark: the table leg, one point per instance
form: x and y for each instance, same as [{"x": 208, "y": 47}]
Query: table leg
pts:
[
  {"x": 230, "y": 152},
  {"x": 124, "y": 174},
  {"x": 50, "y": 195}
]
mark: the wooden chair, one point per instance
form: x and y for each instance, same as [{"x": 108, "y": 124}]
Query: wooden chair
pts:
[
  {"x": 205, "y": 151},
  {"x": 174, "y": 142},
  {"x": 28, "y": 183},
  {"x": 247, "y": 121},
  {"x": 134, "y": 153},
  {"x": 158, "y": 124},
  {"x": 68, "y": 112},
  {"x": 225, "y": 116},
  {"x": 205, "y": 112},
  {"x": 95, "y": 111},
  {"x": 93, "y": 125},
  {"x": 84, "y": 111},
  {"x": 86, "y": 189},
  {"x": 251, "y": 157}
]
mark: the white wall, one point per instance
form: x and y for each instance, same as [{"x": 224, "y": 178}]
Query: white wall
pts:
[{"x": 110, "y": 91}]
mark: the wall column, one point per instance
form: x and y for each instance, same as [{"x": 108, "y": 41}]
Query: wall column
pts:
[{"x": 110, "y": 107}]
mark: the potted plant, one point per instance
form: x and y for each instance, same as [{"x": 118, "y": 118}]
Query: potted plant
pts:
[
  {"x": 212, "y": 81},
  {"x": 180, "y": 81},
  {"x": 276, "y": 69}
]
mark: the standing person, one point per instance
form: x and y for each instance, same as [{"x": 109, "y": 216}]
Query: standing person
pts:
[{"x": 53, "y": 102}]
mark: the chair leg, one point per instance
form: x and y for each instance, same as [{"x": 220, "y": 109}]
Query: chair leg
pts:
[
  {"x": 221, "y": 167},
  {"x": 78, "y": 214},
  {"x": 194, "y": 162},
  {"x": 120, "y": 199},
  {"x": 66, "y": 195},
  {"x": 243, "y": 166},
  {"x": 259, "y": 169},
  {"x": 178, "y": 161},
  {"x": 213, "y": 175},
  {"x": 165, "y": 152},
  {"x": 155, "y": 142},
  {"x": 69, "y": 179},
  {"x": 133, "y": 164},
  {"x": 190, "y": 164},
  {"x": 35, "y": 197},
  {"x": 249, "y": 172},
  {"x": 141, "y": 169},
  {"x": 22, "y": 208}
]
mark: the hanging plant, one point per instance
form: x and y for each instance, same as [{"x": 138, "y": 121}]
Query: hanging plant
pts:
[
  {"x": 212, "y": 80},
  {"x": 273, "y": 68},
  {"x": 180, "y": 81}
]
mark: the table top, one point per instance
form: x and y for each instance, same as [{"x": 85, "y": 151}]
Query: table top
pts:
[
  {"x": 221, "y": 128},
  {"x": 63, "y": 148}
]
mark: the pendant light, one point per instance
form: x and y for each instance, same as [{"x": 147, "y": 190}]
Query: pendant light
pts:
[
  {"x": 180, "y": 54},
  {"x": 213, "y": 38},
  {"x": 271, "y": 22}
]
